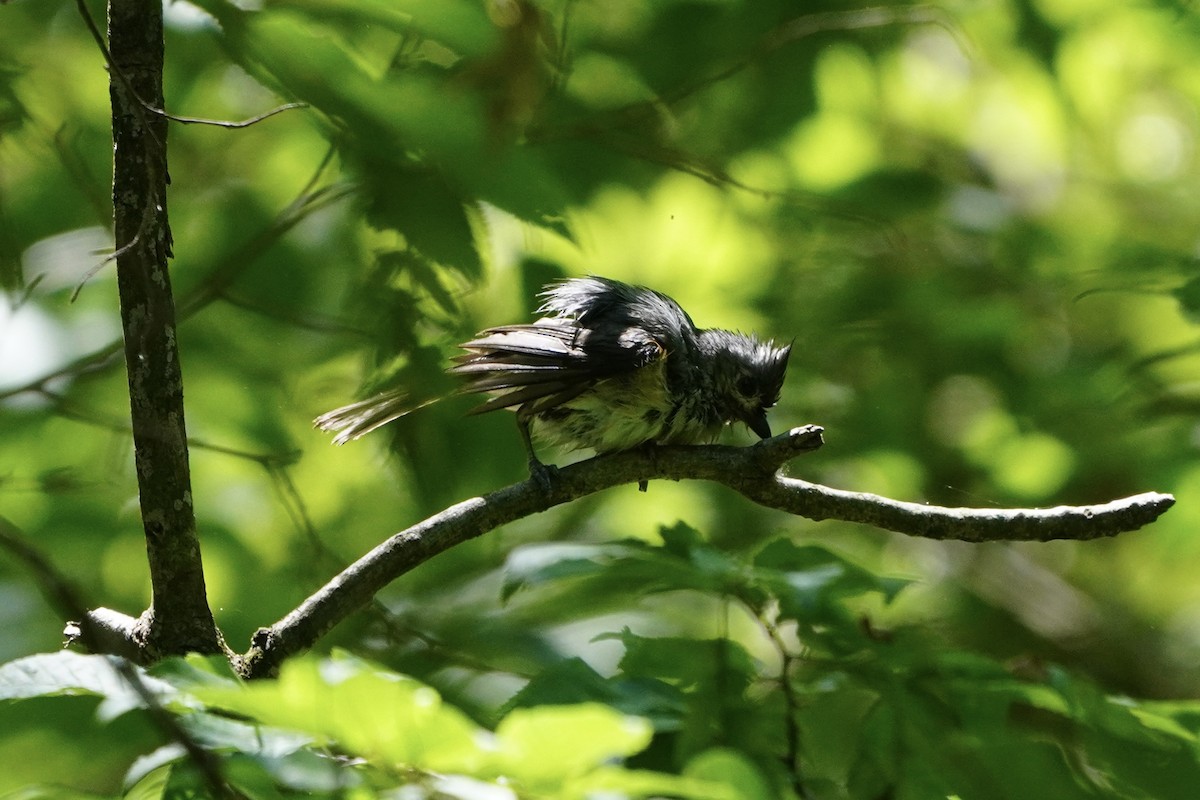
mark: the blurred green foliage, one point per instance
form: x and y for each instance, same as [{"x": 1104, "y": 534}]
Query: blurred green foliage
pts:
[{"x": 977, "y": 220}]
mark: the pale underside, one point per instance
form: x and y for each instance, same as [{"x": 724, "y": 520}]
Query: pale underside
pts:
[{"x": 622, "y": 412}]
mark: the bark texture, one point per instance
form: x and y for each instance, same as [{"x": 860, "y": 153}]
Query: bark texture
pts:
[{"x": 179, "y": 619}]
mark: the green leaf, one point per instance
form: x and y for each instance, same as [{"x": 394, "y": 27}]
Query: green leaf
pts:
[
  {"x": 151, "y": 784},
  {"x": 610, "y": 781},
  {"x": 684, "y": 562},
  {"x": 625, "y": 565},
  {"x": 460, "y": 25},
  {"x": 391, "y": 116},
  {"x": 63, "y": 673},
  {"x": 195, "y": 670},
  {"x": 540, "y": 564},
  {"x": 74, "y": 674},
  {"x": 418, "y": 203},
  {"x": 301, "y": 771},
  {"x": 371, "y": 711},
  {"x": 49, "y": 792},
  {"x": 221, "y": 733},
  {"x": 1185, "y": 713},
  {"x": 892, "y": 192},
  {"x": 724, "y": 766},
  {"x": 148, "y": 774},
  {"x": 523, "y": 182},
  {"x": 1188, "y": 296},
  {"x": 543, "y": 747},
  {"x": 687, "y": 663},
  {"x": 681, "y": 539},
  {"x": 807, "y": 579},
  {"x": 715, "y": 703},
  {"x": 573, "y": 681},
  {"x": 568, "y": 681}
]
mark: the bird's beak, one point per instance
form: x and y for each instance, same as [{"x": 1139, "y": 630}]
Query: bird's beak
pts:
[{"x": 757, "y": 422}]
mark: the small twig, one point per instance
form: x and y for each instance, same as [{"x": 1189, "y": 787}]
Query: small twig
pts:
[
  {"x": 293, "y": 503},
  {"x": 791, "y": 701},
  {"x": 148, "y": 106},
  {"x": 113, "y": 256},
  {"x": 17, "y": 301},
  {"x": 116, "y": 70},
  {"x": 268, "y": 461},
  {"x": 60, "y": 593},
  {"x": 218, "y": 123},
  {"x": 306, "y": 202},
  {"x": 206, "y": 762},
  {"x": 94, "y": 361},
  {"x": 752, "y": 471},
  {"x": 312, "y": 323},
  {"x": 788, "y": 32},
  {"x": 142, "y": 105}
]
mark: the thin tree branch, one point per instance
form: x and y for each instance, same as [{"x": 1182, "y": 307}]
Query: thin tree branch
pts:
[
  {"x": 100, "y": 630},
  {"x": 313, "y": 322},
  {"x": 219, "y": 123},
  {"x": 61, "y": 594},
  {"x": 752, "y": 471},
  {"x": 179, "y": 619},
  {"x": 94, "y": 29},
  {"x": 206, "y": 762},
  {"x": 96, "y": 361},
  {"x": 791, "y": 702}
]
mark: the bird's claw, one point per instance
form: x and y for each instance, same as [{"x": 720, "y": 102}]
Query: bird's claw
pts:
[{"x": 544, "y": 475}]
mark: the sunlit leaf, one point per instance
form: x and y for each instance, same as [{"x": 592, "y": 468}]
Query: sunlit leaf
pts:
[
  {"x": 547, "y": 745},
  {"x": 643, "y": 783},
  {"x": 63, "y": 673},
  {"x": 367, "y": 709},
  {"x": 194, "y": 669},
  {"x": 729, "y": 767},
  {"x": 73, "y": 674}
]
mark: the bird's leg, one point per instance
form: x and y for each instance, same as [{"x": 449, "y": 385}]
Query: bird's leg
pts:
[
  {"x": 651, "y": 449},
  {"x": 543, "y": 474}
]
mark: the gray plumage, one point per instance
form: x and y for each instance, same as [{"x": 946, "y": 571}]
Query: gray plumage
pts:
[{"x": 607, "y": 367}]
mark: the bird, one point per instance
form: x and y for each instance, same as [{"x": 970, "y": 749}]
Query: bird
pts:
[{"x": 607, "y": 366}]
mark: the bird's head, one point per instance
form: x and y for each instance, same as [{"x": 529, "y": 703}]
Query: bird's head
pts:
[{"x": 747, "y": 376}]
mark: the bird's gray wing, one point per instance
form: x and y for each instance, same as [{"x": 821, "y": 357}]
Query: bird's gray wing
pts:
[{"x": 554, "y": 360}]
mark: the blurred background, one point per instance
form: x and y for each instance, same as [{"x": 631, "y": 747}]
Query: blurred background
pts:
[{"x": 978, "y": 221}]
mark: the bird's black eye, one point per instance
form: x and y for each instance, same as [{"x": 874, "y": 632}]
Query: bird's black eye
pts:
[{"x": 746, "y": 386}]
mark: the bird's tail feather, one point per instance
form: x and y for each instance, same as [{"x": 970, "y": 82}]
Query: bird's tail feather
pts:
[{"x": 356, "y": 420}]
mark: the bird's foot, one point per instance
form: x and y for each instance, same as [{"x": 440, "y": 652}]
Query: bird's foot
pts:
[
  {"x": 544, "y": 475},
  {"x": 651, "y": 450}
]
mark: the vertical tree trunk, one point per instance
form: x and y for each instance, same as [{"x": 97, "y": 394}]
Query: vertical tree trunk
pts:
[{"x": 179, "y": 619}]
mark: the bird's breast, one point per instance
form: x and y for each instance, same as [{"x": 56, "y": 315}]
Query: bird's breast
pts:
[{"x": 617, "y": 413}]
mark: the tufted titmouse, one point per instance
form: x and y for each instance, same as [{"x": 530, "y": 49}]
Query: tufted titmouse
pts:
[{"x": 608, "y": 367}]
